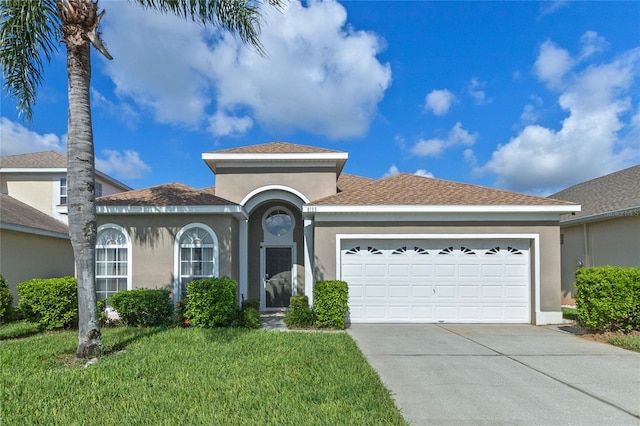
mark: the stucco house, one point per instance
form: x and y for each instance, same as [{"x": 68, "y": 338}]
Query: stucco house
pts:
[
  {"x": 607, "y": 229},
  {"x": 34, "y": 236},
  {"x": 282, "y": 216}
]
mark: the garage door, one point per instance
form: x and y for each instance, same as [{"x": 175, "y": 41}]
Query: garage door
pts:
[{"x": 437, "y": 280}]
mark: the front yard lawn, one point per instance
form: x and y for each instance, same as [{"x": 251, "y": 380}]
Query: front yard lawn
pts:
[{"x": 165, "y": 376}]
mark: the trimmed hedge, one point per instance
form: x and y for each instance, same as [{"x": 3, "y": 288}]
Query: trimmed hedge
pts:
[
  {"x": 299, "y": 314},
  {"x": 212, "y": 302},
  {"x": 53, "y": 302},
  {"x": 5, "y": 301},
  {"x": 330, "y": 303},
  {"x": 608, "y": 298},
  {"x": 143, "y": 307}
]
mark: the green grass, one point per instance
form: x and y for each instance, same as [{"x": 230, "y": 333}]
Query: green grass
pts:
[
  {"x": 631, "y": 342},
  {"x": 18, "y": 329},
  {"x": 167, "y": 376}
]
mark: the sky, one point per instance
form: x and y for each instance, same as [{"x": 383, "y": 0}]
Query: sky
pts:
[{"x": 519, "y": 95}]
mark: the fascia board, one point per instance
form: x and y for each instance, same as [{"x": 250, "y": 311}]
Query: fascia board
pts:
[
  {"x": 617, "y": 214},
  {"x": 303, "y": 157},
  {"x": 558, "y": 209},
  {"x": 234, "y": 210},
  {"x": 33, "y": 170},
  {"x": 215, "y": 161},
  {"x": 435, "y": 213},
  {"x": 34, "y": 231}
]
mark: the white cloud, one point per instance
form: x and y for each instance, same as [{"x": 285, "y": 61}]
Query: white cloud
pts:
[
  {"x": 439, "y": 101},
  {"x": 592, "y": 43},
  {"x": 393, "y": 170},
  {"x": 321, "y": 75},
  {"x": 17, "y": 139},
  {"x": 552, "y": 64},
  {"x": 126, "y": 165},
  {"x": 476, "y": 91},
  {"x": 122, "y": 111},
  {"x": 435, "y": 147},
  {"x": 591, "y": 140},
  {"x": 423, "y": 172},
  {"x": 222, "y": 124},
  {"x": 550, "y": 7},
  {"x": 530, "y": 113}
]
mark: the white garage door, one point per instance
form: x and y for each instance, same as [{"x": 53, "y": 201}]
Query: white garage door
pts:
[{"x": 437, "y": 280}]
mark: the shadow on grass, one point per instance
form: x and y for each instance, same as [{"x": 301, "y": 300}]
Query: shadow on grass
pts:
[{"x": 19, "y": 330}]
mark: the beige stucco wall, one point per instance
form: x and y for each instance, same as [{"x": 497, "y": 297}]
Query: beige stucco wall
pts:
[
  {"x": 37, "y": 193},
  {"x": 613, "y": 242},
  {"x": 26, "y": 256},
  {"x": 235, "y": 185},
  {"x": 153, "y": 239},
  {"x": 549, "y": 236}
]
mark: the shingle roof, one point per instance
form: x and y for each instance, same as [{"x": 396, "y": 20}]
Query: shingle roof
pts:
[
  {"x": 35, "y": 160},
  {"x": 609, "y": 193},
  {"x": 408, "y": 189},
  {"x": 14, "y": 212},
  {"x": 275, "y": 148},
  {"x": 347, "y": 182},
  {"x": 172, "y": 194}
]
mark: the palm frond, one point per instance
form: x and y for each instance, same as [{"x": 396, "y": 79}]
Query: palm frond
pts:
[
  {"x": 29, "y": 33},
  {"x": 239, "y": 17}
]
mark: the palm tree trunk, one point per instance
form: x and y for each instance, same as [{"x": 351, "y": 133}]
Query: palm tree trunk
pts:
[{"x": 81, "y": 195}]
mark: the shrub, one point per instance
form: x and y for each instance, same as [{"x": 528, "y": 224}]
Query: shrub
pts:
[
  {"x": 330, "y": 304},
  {"x": 103, "y": 317},
  {"x": 249, "y": 315},
  {"x": 143, "y": 307},
  {"x": 181, "y": 308},
  {"x": 251, "y": 303},
  {"x": 299, "y": 314},
  {"x": 53, "y": 302},
  {"x": 608, "y": 298},
  {"x": 250, "y": 318},
  {"x": 212, "y": 302},
  {"x": 6, "y": 299}
]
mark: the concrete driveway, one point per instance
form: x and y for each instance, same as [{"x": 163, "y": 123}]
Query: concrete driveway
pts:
[{"x": 502, "y": 375}]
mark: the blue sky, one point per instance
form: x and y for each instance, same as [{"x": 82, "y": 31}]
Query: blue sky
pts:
[{"x": 526, "y": 96}]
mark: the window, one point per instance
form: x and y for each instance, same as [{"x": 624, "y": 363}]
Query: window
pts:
[
  {"x": 198, "y": 255},
  {"x": 112, "y": 261},
  {"x": 278, "y": 222},
  {"x": 63, "y": 191},
  {"x": 98, "y": 189}
]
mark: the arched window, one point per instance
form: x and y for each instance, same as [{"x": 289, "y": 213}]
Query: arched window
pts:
[
  {"x": 197, "y": 255},
  {"x": 113, "y": 261}
]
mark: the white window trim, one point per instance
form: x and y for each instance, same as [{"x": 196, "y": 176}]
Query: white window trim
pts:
[
  {"x": 176, "y": 256},
  {"x": 129, "y": 249}
]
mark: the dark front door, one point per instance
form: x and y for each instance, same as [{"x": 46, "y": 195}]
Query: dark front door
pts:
[{"x": 278, "y": 264}]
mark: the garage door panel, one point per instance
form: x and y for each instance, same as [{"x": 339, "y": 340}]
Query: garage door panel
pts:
[
  {"x": 444, "y": 271},
  {"x": 434, "y": 280}
]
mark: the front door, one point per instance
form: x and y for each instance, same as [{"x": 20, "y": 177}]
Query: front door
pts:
[{"x": 278, "y": 263}]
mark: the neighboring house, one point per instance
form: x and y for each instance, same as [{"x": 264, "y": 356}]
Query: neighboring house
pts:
[
  {"x": 606, "y": 231},
  {"x": 282, "y": 216},
  {"x": 39, "y": 179},
  {"x": 34, "y": 236},
  {"x": 32, "y": 244}
]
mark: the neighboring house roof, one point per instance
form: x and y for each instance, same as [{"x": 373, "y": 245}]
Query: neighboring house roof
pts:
[
  {"x": 172, "y": 194},
  {"x": 47, "y": 160},
  {"x": 347, "y": 182},
  {"x": 34, "y": 160},
  {"x": 408, "y": 189},
  {"x": 275, "y": 148},
  {"x": 615, "y": 192},
  {"x": 18, "y": 216}
]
